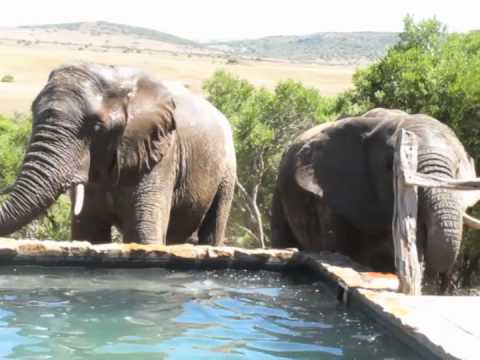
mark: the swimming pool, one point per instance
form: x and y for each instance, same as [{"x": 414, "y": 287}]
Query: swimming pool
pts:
[{"x": 79, "y": 313}]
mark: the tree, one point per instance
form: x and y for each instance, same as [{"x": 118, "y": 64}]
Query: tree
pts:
[
  {"x": 426, "y": 34},
  {"x": 14, "y": 137},
  {"x": 7, "y": 78},
  {"x": 405, "y": 78},
  {"x": 264, "y": 124},
  {"x": 428, "y": 71}
]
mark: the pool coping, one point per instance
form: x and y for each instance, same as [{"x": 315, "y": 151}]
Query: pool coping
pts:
[{"x": 437, "y": 327}]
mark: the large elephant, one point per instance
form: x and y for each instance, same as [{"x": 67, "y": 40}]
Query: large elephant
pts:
[
  {"x": 335, "y": 190},
  {"x": 145, "y": 156}
]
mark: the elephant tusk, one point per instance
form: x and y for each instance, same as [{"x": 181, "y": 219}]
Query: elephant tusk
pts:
[
  {"x": 78, "y": 199},
  {"x": 470, "y": 221}
]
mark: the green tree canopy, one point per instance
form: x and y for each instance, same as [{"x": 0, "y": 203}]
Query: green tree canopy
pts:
[
  {"x": 14, "y": 137},
  {"x": 429, "y": 71},
  {"x": 264, "y": 124}
]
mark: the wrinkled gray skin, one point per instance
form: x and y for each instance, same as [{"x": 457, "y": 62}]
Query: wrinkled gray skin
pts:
[
  {"x": 157, "y": 161},
  {"x": 335, "y": 190}
]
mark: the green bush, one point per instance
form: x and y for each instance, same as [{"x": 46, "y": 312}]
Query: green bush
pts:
[
  {"x": 232, "y": 61},
  {"x": 264, "y": 124},
  {"x": 14, "y": 137},
  {"x": 7, "y": 78},
  {"x": 428, "y": 71}
]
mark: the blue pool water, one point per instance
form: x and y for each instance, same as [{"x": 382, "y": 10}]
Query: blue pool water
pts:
[{"x": 76, "y": 313}]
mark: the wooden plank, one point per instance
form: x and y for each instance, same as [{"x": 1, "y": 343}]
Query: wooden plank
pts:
[
  {"x": 344, "y": 272},
  {"x": 418, "y": 179},
  {"x": 404, "y": 228}
]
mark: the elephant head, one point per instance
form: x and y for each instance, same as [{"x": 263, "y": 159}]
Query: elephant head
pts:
[
  {"x": 349, "y": 164},
  {"x": 91, "y": 123}
]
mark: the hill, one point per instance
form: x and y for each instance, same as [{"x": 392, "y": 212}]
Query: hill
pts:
[
  {"x": 320, "y": 47},
  {"x": 106, "y": 28},
  {"x": 326, "y": 47}
]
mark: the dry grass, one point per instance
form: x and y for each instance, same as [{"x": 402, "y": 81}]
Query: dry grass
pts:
[{"x": 30, "y": 65}]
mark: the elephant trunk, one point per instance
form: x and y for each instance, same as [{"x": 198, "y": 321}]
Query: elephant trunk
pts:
[
  {"x": 442, "y": 211},
  {"x": 51, "y": 160}
]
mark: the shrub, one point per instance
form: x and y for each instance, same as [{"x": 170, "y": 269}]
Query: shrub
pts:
[
  {"x": 264, "y": 124},
  {"x": 7, "y": 78},
  {"x": 232, "y": 61},
  {"x": 14, "y": 137}
]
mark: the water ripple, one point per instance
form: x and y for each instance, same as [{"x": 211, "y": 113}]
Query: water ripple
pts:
[{"x": 154, "y": 314}]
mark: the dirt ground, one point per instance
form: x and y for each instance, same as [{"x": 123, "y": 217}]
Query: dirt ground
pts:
[{"x": 31, "y": 64}]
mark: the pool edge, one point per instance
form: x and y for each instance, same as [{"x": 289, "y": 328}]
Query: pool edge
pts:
[{"x": 420, "y": 322}]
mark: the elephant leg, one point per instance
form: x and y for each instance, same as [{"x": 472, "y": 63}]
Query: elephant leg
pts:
[
  {"x": 148, "y": 206},
  {"x": 212, "y": 229},
  {"x": 92, "y": 224},
  {"x": 147, "y": 222},
  {"x": 282, "y": 236},
  {"x": 350, "y": 241},
  {"x": 92, "y": 229},
  {"x": 445, "y": 286},
  {"x": 345, "y": 236},
  {"x": 322, "y": 227},
  {"x": 378, "y": 250}
]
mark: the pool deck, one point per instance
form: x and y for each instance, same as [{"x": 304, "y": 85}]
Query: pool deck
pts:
[
  {"x": 447, "y": 327},
  {"x": 438, "y": 327}
]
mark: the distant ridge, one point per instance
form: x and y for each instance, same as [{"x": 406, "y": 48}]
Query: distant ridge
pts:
[
  {"x": 325, "y": 46},
  {"x": 108, "y": 28}
]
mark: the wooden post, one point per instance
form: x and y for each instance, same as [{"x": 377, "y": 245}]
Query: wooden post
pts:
[{"x": 405, "y": 215}]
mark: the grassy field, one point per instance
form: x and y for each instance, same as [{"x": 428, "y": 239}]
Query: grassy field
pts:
[{"x": 30, "y": 66}]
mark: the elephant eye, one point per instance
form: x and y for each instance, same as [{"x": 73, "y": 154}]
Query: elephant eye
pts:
[{"x": 97, "y": 126}]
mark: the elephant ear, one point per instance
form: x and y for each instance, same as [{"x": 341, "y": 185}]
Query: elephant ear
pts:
[
  {"x": 149, "y": 129},
  {"x": 304, "y": 171}
]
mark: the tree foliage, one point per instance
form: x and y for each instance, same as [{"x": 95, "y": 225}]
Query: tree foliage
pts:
[
  {"x": 264, "y": 124},
  {"x": 429, "y": 71},
  {"x": 7, "y": 78},
  {"x": 14, "y": 137}
]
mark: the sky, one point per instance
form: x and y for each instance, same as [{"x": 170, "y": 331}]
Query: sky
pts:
[{"x": 205, "y": 20}]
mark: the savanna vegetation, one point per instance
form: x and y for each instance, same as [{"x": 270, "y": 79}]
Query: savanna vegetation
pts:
[
  {"x": 14, "y": 137},
  {"x": 7, "y": 78},
  {"x": 429, "y": 70},
  {"x": 264, "y": 123},
  {"x": 331, "y": 47}
]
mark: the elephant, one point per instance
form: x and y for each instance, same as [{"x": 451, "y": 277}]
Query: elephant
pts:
[
  {"x": 146, "y": 156},
  {"x": 334, "y": 191}
]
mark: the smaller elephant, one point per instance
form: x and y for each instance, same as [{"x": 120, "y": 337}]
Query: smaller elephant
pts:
[
  {"x": 146, "y": 156},
  {"x": 335, "y": 190}
]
